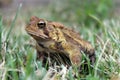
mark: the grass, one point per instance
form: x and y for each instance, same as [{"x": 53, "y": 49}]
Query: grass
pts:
[
  {"x": 0, "y": 34},
  {"x": 18, "y": 59}
]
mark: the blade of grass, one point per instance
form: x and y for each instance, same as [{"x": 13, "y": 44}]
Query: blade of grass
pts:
[
  {"x": 100, "y": 56},
  {"x": 0, "y": 34},
  {"x": 111, "y": 34},
  {"x": 99, "y": 22},
  {"x": 13, "y": 22},
  {"x": 70, "y": 74}
]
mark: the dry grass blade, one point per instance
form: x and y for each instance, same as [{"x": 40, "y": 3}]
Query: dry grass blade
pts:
[{"x": 100, "y": 56}]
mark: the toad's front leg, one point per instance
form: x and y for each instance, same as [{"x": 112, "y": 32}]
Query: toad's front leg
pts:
[
  {"x": 74, "y": 54},
  {"x": 71, "y": 50},
  {"x": 75, "y": 58}
]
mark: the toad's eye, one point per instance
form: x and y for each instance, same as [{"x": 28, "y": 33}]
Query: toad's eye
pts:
[{"x": 41, "y": 24}]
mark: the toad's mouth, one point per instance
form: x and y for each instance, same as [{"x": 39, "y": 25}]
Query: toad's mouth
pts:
[{"x": 37, "y": 36}]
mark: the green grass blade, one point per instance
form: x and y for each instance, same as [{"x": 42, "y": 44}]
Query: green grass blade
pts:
[
  {"x": 13, "y": 22},
  {"x": 99, "y": 22},
  {"x": 0, "y": 35}
]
